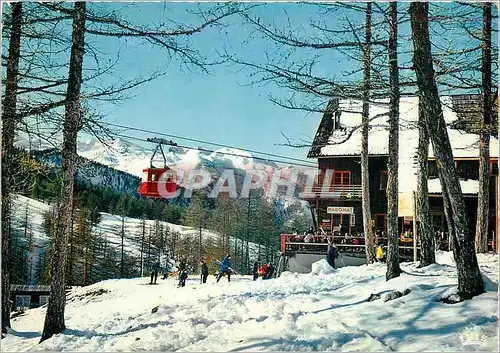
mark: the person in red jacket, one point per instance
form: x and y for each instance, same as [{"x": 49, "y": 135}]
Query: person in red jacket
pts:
[{"x": 263, "y": 270}]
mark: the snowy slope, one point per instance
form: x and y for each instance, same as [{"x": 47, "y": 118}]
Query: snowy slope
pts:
[
  {"x": 108, "y": 229},
  {"x": 318, "y": 311}
]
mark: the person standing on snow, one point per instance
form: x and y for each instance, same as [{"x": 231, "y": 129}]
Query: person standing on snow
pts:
[
  {"x": 255, "y": 270},
  {"x": 182, "y": 273},
  {"x": 332, "y": 253},
  {"x": 380, "y": 254},
  {"x": 154, "y": 272},
  {"x": 224, "y": 268},
  {"x": 204, "y": 271}
]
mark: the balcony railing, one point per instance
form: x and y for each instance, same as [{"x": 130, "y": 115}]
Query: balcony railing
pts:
[{"x": 343, "y": 192}]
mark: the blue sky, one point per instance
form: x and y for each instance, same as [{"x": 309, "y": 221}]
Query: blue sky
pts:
[{"x": 222, "y": 106}]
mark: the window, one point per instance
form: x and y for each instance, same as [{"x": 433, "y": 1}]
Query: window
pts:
[
  {"x": 494, "y": 168},
  {"x": 23, "y": 302},
  {"x": 468, "y": 170},
  {"x": 336, "y": 120},
  {"x": 380, "y": 223},
  {"x": 438, "y": 222},
  {"x": 342, "y": 177},
  {"x": 383, "y": 180},
  {"x": 433, "y": 171},
  {"x": 44, "y": 299},
  {"x": 342, "y": 219}
]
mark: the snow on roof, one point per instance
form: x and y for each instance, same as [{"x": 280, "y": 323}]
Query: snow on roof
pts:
[
  {"x": 468, "y": 186},
  {"x": 463, "y": 144}
]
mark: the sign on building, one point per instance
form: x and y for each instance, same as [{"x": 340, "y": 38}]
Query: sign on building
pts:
[{"x": 339, "y": 210}]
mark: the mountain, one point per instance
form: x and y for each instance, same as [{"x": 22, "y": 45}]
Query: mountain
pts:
[{"x": 118, "y": 164}]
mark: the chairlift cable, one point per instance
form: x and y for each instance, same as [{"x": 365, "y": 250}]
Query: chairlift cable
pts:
[
  {"x": 225, "y": 153},
  {"x": 207, "y": 142}
]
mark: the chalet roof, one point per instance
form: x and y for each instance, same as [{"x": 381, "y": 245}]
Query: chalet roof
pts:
[
  {"x": 346, "y": 140},
  {"x": 468, "y": 186},
  {"x": 29, "y": 288}
]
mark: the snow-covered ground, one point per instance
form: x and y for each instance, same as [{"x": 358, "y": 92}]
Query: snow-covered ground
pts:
[{"x": 324, "y": 310}]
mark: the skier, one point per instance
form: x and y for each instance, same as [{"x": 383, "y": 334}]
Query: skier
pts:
[
  {"x": 255, "y": 270},
  {"x": 183, "y": 278},
  {"x": 224, "y": 268},
  {"x": 204, "y": 271},
  {"x": 332, "y": 253},
  {"x": 154, "y": 272},
  {"x": 182, "y": 273}
]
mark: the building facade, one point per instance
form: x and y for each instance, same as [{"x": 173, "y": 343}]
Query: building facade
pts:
[{"x": 337, "y": 147}]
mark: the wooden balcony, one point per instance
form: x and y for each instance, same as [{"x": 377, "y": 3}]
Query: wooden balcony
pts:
[{"x": 337, "y": 192}]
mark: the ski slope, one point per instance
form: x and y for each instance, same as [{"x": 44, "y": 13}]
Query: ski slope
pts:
[
  {"x": 108, "y": 229},
  {"x": 324, "y": 310}
]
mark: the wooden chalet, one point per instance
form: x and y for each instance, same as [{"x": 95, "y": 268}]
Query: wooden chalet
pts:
[{"x": 337, "y": 146}]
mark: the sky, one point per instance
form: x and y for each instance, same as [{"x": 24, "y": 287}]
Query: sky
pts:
[{"x": 222, "y": 106}]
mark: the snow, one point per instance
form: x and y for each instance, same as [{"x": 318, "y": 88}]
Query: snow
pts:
[
  {"x": 130, "y": 157},
  {"x": 324, "y": 310},
  {"x": 463, "y": 144},
  {"x": 468, "y": 186}
]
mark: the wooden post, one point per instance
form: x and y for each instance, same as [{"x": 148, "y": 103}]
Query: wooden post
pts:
[{"x": 414, "y": 227}]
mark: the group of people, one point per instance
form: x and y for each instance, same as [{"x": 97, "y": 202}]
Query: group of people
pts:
[{"x": 224, "y": 269}]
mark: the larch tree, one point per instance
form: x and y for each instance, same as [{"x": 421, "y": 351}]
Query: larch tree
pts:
[
  {"x": 483, "y": 200},
  {"x": 365, "y": 173},
  {"x": 470, "y": 282},
  {"x": 393, "y": 269},
  {"x": 423, "y": 217},
  {"x": 54, "y": 319},
  {"x": 9, "y": 122}
]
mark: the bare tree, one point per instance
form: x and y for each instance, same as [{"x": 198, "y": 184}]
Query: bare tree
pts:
[
  {"x": 54, "y": 319},
  {"x": 365, "y": 173},
  {"x": 423, "y": 218},
  {"x": 483, "y": 199},
  {"x": 470, "y": 282},
  {"x": 9, "y": 122},
  {"x": 393, "y": 269}
]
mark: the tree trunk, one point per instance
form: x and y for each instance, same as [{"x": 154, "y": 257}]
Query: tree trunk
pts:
[
  {"x": 142, "y": 245},
  {"x": 54, "y": 319},
  {"x": 393, "y": 269},
  {"x": 122, "y": 247},
  {"x": 365, "y": 174},
  {"x": 470, "y": 282},
  {"x": 483, "y": 199},
  {"x": 424, "y": 226},
  {"x": 71, "y": 251},
  {"x": 9, "y": 121}
]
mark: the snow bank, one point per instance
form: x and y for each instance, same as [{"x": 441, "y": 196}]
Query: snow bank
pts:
[
  {"x": 322, "y": 268},
  {"x": 317, "y": 311}
]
